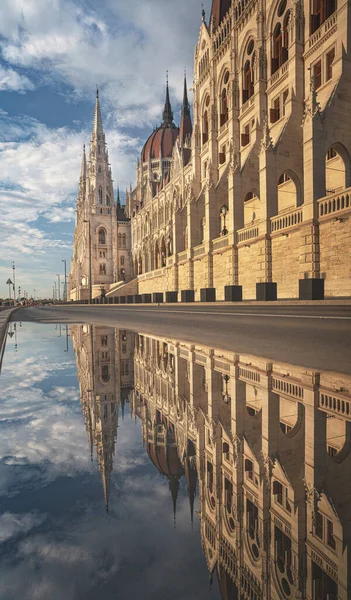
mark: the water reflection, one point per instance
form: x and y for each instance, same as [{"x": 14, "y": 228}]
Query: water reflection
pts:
[{"x": 267, "y": 444}]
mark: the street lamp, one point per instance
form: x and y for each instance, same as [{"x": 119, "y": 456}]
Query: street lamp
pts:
[
  {"x": 65, "y": 286},
  {"x": 90, "y": 269},
  {"x": 9, "y": 283},
  {"x": 224, "y": 212},
  {"x": 58, "y": 286},
  {"x": 14, "y": 282}
]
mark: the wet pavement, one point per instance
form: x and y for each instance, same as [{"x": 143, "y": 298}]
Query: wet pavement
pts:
[{"x": 136, "y": 465}]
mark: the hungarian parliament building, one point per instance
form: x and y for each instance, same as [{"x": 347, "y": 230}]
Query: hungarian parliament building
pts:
[{"x": 250, "y": 197}]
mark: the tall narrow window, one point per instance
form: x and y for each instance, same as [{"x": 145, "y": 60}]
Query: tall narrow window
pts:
[
  {"x": 124, "y": 240},
  {"x": 317, "y": 74},
  {"x": 329, "y": 64},
  {"x": 100, "y": 195},
  {"x": 224, "y": 107},
  {"x": 205, "y": 127},
  {"x": 248, "y": 90},
  {"x": 102, "y": 237},
  {"x": 122, "y": 260}
]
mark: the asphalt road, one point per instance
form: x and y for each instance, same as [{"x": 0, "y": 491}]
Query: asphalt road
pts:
[{"x": 315, "y": 337}]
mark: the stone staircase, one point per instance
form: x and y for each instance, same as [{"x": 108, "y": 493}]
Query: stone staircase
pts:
[{"x": 122, "y": 288}]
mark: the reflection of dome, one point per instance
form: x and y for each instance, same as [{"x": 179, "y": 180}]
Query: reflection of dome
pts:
[
  {"x": 160, "y": 143},
  {"x": 166, "y": 460}
]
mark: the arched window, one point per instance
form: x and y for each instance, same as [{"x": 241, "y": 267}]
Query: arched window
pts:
[
  {"x": 100, "y": 195},
  {"x": 108, "y": 200},
  {"x": 102, "y": 237},
  {"x": 122, "y": 260},
  {"x": 102, "y": 269},
  {"x": 120, "y": 240},
  {"x": 124, "y": 240},
  {"x": 205, "y": 121},
  {"x": 224, "y": 106},
  {"x": 248, "y": 87},
  {"x": 99, "y": 169},
  {"x": 280, "y": 37}
]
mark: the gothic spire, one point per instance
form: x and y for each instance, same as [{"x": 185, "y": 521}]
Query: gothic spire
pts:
[
  {"x": 97, "y": 127},
  {"x": 118, "y": 197},
  {"x": 186, "y": 127},
  {"x": 167, "y": 113}
]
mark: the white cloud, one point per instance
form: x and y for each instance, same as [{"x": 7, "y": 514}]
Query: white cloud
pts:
[{"x": 10, "y": 80}]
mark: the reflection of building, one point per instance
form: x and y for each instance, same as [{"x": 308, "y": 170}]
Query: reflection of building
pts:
[
  {"x": 270, "y": 443},
  {"x": 105, "y": 371}
]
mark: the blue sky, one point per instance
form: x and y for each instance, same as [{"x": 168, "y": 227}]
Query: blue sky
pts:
[{"x": 53, "y": 53}]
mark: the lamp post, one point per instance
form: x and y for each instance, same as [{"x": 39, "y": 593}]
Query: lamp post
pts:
[
  {"x": 14, "y": 282},
  {"x": 9, "y": 283},
  {"x": 224, "y": 212},
  {"x": 65, "y": 285},
  {"x": 58, "y": 286},
  {"x": 90, "y": 269}
]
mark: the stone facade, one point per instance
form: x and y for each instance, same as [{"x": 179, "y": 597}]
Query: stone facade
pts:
[
  {"x": 258, "y": 188},
  {"x": 102, "y": 237}
]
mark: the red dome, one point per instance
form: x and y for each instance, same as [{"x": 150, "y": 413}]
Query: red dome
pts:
[{"x": 160, "y": 143}]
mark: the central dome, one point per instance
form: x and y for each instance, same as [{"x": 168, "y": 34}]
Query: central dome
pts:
[{"x": 160, "y": 143}]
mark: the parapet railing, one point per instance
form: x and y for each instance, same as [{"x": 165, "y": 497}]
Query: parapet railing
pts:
[
  {"x": 199, "y": 250},
  {"x": 332, "y": 403},
  {"x": 288, "y": 220},
  {"x": 220, "y": 242},
  {"x": 334, "y": 203},
  {"x": 282, "y": 386},
  {"x": 323, "y": 29},
  {"x": 247, "y": 233},
  {"x": 182, "y": 256}
]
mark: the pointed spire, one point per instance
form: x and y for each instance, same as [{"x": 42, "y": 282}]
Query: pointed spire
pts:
[
  {"x": 186, "y": 127},
  {"x": 97, "y": 128},
  {"x": 167, "y": 113},
  {"x": 118, "y": 197},
  {"x": 83, "y": 171}
]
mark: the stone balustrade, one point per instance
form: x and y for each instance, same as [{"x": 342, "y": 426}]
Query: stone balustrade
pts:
[
  {"x": 220, "y": 242},
  {"x": 283, "y": 221},
  {"x": 335, "y": 404},
  {"x": 323, "y": 29},
  {"x": 182, "y": 256},
  {"x": 334, "y": 203},
  {"x": 199, "y": 250},
  {"x": 247, "y": 233}
]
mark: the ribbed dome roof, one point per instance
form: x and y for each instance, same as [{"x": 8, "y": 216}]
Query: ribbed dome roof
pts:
[{"x": 160, "y": 143}]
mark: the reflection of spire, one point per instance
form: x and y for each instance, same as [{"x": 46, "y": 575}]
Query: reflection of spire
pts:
[
  {"x": 174, "y": 488},
  {"x": 191, "y": 480}
]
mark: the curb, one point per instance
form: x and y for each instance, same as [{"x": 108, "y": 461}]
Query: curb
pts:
[{"x": 5, "y": 316}]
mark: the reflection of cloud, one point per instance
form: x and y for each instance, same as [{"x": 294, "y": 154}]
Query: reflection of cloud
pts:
[
  {"x": 12, "y": 525},
  {"x": 72, "y": 549}
]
